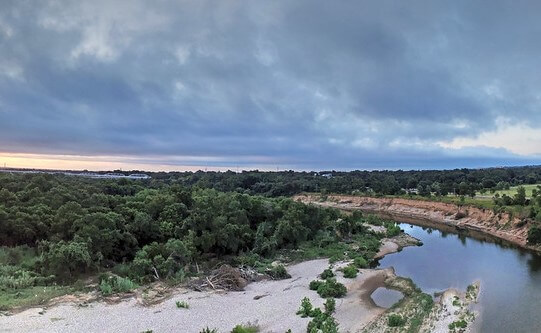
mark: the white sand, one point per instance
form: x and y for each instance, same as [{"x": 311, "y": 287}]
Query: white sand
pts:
[{"x": 273, "y": 313}]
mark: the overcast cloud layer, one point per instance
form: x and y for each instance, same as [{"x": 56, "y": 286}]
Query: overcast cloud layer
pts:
[{"x": 304, "y": 84}]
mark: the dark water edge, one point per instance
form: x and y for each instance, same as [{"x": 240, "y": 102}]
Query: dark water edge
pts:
[{"x": 510, "y": 298}]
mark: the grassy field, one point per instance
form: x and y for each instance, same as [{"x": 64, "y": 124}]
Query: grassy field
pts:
[
  {"x": 33, "y": 296},
  {"x": 512, "y": 191}
]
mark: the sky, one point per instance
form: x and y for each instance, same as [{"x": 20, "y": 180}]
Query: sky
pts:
[{"x": 303, "y": 84}]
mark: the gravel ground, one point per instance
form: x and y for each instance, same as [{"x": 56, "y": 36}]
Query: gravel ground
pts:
[{"x": 274, "y": 312}]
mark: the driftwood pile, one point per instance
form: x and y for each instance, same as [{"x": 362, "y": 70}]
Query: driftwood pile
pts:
[{"x": 226, "y": 277}]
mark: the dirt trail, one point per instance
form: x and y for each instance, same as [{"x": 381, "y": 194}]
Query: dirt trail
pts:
[{"x": 476, "y": 220}]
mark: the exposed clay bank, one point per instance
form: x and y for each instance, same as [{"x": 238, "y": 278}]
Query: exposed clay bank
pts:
[{"x": 429, "y": 213}]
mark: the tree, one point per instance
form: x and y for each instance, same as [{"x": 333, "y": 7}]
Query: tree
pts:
[
  {"x": 65, "y": 259},
  {"x": 520, "y": 196},
  {"x": 534, "y": 235}
]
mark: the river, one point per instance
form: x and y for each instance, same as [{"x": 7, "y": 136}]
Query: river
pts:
[{"x": 510, "y": 299}]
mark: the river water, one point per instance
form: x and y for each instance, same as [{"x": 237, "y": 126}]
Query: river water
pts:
[{"x": 510, "y": 299}]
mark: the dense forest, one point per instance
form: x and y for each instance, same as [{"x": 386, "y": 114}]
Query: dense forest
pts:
[{"x": 56, "y": 229}]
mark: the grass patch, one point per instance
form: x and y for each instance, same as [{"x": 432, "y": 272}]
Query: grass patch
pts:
[
  {"x": 245, "y": 329},
  {"x": 32, "y": 296},
  {"x": 513, "y": 190}
]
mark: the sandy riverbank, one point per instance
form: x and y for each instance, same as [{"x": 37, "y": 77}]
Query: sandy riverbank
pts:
[{"x": 269, "y": 304}]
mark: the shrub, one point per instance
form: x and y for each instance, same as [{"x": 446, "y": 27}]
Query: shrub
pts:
[
  {"x": 392, "y": 229},
  {"x": 330, "y": 305},
  {"x": 65, "y": 259},
  {"x": 327, "y": 273},
  {"x": 182, "y": 305},
  {"x": 123, "y": 285},
  {"x": 331, "y": 288},
  {"x": 306, "y": 308},
  {"x": 426, "y": 302},
  {"x": 314, "y": 285},
  {"x": 245, "y": 329},
  {"x": 279, "y": 272},
  {"x": 534, "y": 235},
  {"x": 13, "y": 277},
  {"x": 360, "y": 262},
  {"x": 458, "y": 324},
  {"x": 395, "y": 320},
  {"x": 106, "y": 288},
  {"x": 350, "y": 272},
  {"x": 115, "y": 284},
  {"x": 323, "y": 323},
  {"x": 329, "y": 325}
]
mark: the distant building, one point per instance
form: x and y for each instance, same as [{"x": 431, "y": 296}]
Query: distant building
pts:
[{"x": 139, "y": 176}]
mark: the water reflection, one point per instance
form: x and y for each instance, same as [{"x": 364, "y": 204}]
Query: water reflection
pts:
[
  {"x": 385, "y": 298},
  {"x": 510, "y": 277}
]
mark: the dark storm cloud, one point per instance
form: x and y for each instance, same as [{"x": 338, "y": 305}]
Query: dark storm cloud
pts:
[{"x": 300, "y": 83}]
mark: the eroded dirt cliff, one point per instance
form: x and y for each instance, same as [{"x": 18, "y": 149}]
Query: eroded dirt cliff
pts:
[{"x": 483, "y": 221}]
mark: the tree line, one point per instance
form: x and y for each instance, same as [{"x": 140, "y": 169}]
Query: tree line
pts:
[
  {"x": 424, "y": 182},
  {"x": 147, "y": 230}
]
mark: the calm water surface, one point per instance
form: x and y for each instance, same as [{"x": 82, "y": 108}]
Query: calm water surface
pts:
[
  {"x": 510, "y": 278},
  {"x": 385, "y": 298}
]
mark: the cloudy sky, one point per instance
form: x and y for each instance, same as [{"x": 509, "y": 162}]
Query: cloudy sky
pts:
[{"x": 301, "y": 84}]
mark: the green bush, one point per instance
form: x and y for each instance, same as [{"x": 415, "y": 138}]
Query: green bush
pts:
[
  {"x": 115, "y": 284},
  {"x": 360, "y": 262},
  {"x": 279, "y": 272},
  {"x": 330, "y": 305},
  {"x": 323, "y": 323},
  {"x": 534, "y": 235},
  {"x": 392, "y": 229},
  {"x": 327, "y": 273},
  {"x": 65, "y": 259},
  {"x": 350, "y": 272},
  {"x": 13, "y": 277},
  {"x": 458, "y": 324},
  {"x": 106, "y": 288},
  {"x": 306, "y": 308},
  {"x": 395, "y": 320},
  {"x": 426, "y": 302},
  {"x": 182, "y": 305},
  {"x": 331, "y": 288},
  {"x": 314, "y": 285}
]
